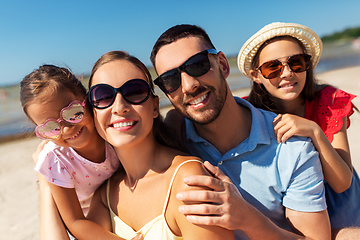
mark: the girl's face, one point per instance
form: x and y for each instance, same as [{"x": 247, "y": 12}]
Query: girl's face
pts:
[
  {"x": 123, "y": 123},
  {"x": 75, "y": 136},
  {"x": 288, "y": 85}
]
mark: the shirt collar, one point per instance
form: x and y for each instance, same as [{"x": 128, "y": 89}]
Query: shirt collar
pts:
[{"x": 259, "y": 134}]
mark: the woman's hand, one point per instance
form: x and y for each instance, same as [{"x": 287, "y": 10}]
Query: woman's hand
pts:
[{"x": 287, "y": 125}]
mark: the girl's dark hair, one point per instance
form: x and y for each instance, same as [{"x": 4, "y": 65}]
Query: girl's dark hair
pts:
[
  {"x": 261, "y": 98},
  {"x": 163, "y": 134},
  {"x": 47, "y": 81}
]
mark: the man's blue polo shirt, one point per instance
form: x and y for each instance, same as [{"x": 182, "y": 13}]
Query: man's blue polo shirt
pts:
[{"x": 271, "y": 176}]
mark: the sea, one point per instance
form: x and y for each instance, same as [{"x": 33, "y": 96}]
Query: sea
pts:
[{"x": 14, "y": 123}]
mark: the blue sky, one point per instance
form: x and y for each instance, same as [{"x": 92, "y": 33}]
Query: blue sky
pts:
[{"x": 76, "y": 33}]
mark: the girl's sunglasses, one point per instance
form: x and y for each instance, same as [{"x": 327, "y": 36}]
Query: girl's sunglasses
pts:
[
  {"x": 135, "y": 91},
  {"x": 196, "y": 66},
  {"x": 72, "y": 114},
  {"x": 297, "y": 63}
]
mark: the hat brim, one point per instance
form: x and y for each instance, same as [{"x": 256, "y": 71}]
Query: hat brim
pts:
[{"x": 311, "y": 41}]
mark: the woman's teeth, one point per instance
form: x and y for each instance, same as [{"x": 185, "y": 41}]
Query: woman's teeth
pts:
[{"x": 123, "y": 124}]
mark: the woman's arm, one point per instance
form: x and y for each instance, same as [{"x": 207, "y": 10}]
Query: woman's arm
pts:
[
  {"x": 179, "y": 224},
  {"x": 335, "y": 158}
]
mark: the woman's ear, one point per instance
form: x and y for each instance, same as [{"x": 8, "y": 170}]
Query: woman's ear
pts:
[
  {"x": 255, "y": 75},
  {"x": 224, "y": 64},
  {"x": 156, "y": 108}
]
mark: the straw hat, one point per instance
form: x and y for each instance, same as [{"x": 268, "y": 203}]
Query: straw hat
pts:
[{"x": 312, "y": 42}]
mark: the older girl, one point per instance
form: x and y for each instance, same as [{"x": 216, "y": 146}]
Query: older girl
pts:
[{"x": 280, "y": 59}]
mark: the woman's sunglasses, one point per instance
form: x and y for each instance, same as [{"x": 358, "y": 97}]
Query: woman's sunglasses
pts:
[
  {"x": 196, "y": 66},
  {"x": 297, "y": 63},
  {"x": 135, "y": 91},
  {"x": 72, "y": 114}
]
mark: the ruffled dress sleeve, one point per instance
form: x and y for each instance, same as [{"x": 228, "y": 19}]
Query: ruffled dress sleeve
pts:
[{"x": 328, "y": 109}]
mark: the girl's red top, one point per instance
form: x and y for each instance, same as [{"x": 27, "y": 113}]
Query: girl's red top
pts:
[{"x": 328, "y": 109}]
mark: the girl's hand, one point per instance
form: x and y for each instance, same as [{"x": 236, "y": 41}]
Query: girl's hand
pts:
[
  {"x": 40, "y": 147},
  {"x": 287, "y": 125}
]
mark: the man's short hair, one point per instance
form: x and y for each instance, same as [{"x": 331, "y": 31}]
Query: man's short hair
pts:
[{"x": 178, "y": 32}]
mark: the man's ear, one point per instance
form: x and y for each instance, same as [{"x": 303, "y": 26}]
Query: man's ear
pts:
[
  {"x": 255, "y": 75},
  {"x": 224, "y": 64}
]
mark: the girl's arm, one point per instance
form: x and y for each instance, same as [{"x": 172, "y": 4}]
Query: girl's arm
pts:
[
  {"x": 51, "y": 225},
  {"x": 99, "y": 211},
  {"x": 71, "y": 212},
  {"x": 335, "y": 158},
  {"x": 178, "y": 222}
]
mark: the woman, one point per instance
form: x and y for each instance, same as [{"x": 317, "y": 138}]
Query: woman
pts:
[{"x": 140, "y": 199}]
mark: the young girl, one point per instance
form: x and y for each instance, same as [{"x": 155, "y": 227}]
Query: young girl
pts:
[
  {"x": 280, "y": 59},
  {"x": 75, "y": 161},
  {"x": 141, "y": 199}
]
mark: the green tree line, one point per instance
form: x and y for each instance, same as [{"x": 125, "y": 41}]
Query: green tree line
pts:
[{"x": 347, "y": 34}]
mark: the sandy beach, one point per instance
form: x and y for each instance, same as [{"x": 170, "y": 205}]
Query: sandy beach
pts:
[{"x": 19, "y": 194}]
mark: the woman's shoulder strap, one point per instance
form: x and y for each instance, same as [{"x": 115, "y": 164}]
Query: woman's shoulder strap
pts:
[{"x": 172, "y": 180}]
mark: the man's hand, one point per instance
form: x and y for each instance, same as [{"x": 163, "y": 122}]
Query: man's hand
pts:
[{"x": 222, "y": 205}]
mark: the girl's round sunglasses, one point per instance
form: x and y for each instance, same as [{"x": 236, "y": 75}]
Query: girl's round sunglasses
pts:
[
  {"x": 196, "y": 66},
  {"x": 297, "y": 63},
  {"x": 72, "y": 114},
  {"x": 135, "y": 91}
]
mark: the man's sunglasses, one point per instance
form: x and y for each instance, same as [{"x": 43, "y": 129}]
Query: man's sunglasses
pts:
[
  {"x": 72, "y": 114},
  {"x": 196, "y": 66},
  {"x": 297, "y": 63},
  {"x": 135, "y": 91}
]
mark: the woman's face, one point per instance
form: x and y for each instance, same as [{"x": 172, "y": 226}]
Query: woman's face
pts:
[
  {"x": 123, "y": 123},
  {"x": 288, "y": 85},
  {"x": 76, "y": 136}
]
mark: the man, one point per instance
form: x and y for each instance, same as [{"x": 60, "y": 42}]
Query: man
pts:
[{"x": 283, "y": 181}]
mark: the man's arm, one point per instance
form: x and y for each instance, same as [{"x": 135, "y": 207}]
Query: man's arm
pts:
[
  {"x": 225, "y": 207},
  {"x": 304, "y": 222}
]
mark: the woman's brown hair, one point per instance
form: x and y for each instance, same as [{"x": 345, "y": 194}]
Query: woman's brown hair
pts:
[{"x": 163, "y": 134}]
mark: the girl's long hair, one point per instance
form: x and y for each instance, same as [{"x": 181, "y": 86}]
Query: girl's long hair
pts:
[{"x": 261, "y": 98}]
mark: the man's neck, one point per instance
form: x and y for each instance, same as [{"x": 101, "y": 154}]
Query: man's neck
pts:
[{"x": 232, "y": 127}]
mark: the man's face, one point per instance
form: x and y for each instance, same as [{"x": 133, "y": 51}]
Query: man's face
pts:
[{"x": 199, "y": 99}]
